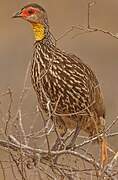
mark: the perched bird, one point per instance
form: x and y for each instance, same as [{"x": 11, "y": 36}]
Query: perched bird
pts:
[{"x": 65, "y": 86}]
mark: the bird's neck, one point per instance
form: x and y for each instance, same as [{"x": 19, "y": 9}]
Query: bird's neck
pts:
[
  {"x": 39, "y": 31},
  {"x": 42, "y": 34}
]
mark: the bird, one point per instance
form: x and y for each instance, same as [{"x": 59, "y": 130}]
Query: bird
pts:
[{"x": 66, "y": 87}]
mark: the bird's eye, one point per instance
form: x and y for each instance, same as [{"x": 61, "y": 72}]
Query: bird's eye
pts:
[{"x": 30, "y": 11}]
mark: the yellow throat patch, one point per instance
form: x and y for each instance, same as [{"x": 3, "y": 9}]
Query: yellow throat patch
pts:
[{"x": 39, "y": 31}]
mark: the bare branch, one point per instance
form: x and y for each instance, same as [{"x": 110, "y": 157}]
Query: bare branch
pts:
[
  {"x": 19, "y": 118},
  {"x": 90, "y": 5},
  {"x": 9, "y": 110},
  {"x": 3, "y": 171}
]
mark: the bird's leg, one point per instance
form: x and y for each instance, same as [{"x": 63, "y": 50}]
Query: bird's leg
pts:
[
  {"x": 60, "y": 130},
  {"x": 71, "y": 144},
  {"x": 57, "y": 143}
]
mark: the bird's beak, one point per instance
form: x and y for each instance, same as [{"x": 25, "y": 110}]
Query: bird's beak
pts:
[{"x": 17, "y": 15}]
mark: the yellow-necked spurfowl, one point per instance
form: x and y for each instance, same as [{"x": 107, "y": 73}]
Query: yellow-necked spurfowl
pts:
[{"x": 64, "y": 81}]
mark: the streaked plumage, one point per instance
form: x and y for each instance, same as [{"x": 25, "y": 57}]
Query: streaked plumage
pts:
[
  {"x": 56, "y": 74},
  {"x": 63, "y": 81}
]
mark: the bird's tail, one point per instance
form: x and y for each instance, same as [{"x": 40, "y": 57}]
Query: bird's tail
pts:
[{"x": 104, "y": 151}]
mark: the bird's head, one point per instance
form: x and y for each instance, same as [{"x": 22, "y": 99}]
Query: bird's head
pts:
[
  {"x": 32, "y": 13},
  {"x": 37, "y": 16}
]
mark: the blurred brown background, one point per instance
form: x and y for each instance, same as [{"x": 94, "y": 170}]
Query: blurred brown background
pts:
[{"x": 98, "y": 50}]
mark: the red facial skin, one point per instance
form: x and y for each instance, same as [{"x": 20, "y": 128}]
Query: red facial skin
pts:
[{"x": 28, "y": 12}]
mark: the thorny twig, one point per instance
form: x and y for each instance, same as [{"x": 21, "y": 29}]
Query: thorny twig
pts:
[
  {"x": 29, "y": 150},
  {"x": 17, "y": 165},
  {"x": 12, "y": 167}
]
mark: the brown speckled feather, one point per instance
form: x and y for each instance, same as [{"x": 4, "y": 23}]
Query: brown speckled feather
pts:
[{"x": 64, "y": 78}]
